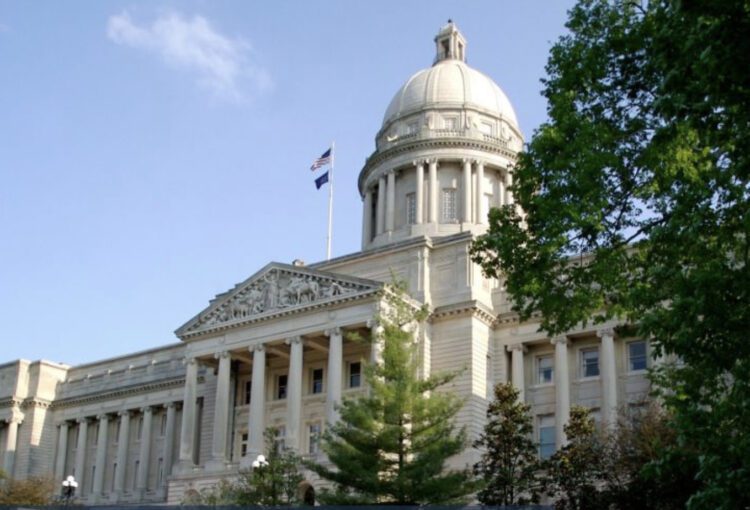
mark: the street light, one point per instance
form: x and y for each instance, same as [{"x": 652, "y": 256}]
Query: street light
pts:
[
  {"x": 260, "y": 462},
  {"x": 69, "y": 488}
]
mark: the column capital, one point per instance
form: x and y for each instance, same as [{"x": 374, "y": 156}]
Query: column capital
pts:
[
  {"x": 467, "y": 160},
  {"x": 169, "y": 405},
  {"x": 189, "y": 360},
  {"x": 222, "y": 354},
  {"x": 517, "y": 347},
  {"x": 102, "y": 416},
  {"x": 560, "y": 339},
  {"x": 14, "y": 419},
  {"x": 59, "y": 424},
  {"x": 608, "y": 332},
  {"x": 431, "y": 161},
  {"x": 419, "y": 162},
  {"x": 147, "y": 409},
  {"x": 332, "y": 331},
  {"x": 480, "y": 162},
  {"x": 81, "y": 421},
  {"x": 125, "y": 412},
  {"x": 294, "y": 340},
  {"x": 257, "y": 348}
]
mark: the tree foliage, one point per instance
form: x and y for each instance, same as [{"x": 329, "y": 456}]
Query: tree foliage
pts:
[
  {"x": 633, "y": 202},
  {"x": 509, "y": 466},
  {"x": 275, "y": 483},
  {"x": 391, "y": 445}
]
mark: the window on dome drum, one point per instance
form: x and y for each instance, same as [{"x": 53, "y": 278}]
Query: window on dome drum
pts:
[
  {"x": 317, "y": 381},
  {"x": 248, "y": 392},
  {"x": 449, "y": 205},
  {"x": 590, "y": 362},
  {"x": 243, "y": 444},
  {"x": 450, "y": 123},
  {"x": 411, "y": 208},
  {"x": 546, "y": 436},
  {"x": 412, "y": 127},
  {"x": 313, "y": 438},
  {"x": 545, "y": 369},
  {"x": 637, "y": 356},
  {"x": 355, "y": 374},
  {"x": 281, "y": 383},
  {"x": 486, "y": 128}
]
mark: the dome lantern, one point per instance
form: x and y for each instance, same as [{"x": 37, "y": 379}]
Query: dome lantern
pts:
[{"x": 450, "y": 44}]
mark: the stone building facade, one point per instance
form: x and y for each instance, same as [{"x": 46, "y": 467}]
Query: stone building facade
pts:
[{"x": 274, "y": 350}]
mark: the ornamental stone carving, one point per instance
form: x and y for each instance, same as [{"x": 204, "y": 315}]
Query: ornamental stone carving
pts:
[{"x": 276, "y": 290}]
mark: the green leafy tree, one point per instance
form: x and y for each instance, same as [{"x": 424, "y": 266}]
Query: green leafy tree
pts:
[
  {"x": 36, "y": 490},
  {"x": 576, "y": 472},
  {"x": 633, "y": 201},
  {"x": 274, "y": 481},
  {"x": 391, "y": 445},
  {"x": 509, "y": 467}
]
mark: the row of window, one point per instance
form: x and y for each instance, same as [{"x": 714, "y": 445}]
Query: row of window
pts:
[
  {"x": 589, "y": 362},
  {"x": 448, "y": 209},
  {"x": 314, "y": 433},
  {"x": 354, "y": 380},
  {"x": 136, "y": 469},
  {"x": 116, "y": 438}
]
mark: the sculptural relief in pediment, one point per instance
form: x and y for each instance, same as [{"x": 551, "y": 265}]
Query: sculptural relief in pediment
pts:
[{"x": 277, "y": 290}]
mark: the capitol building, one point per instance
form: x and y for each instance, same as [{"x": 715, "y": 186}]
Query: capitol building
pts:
[{"x": 275, "y": 349}]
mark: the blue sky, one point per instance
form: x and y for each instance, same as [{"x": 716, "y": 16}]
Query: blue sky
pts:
[{"x": 153, "y": 154}]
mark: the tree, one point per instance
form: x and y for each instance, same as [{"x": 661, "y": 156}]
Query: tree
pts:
[
  {"x": 509, "y": 467},
  {"x": 274, "y": 482},
  {"x": 633, "y": 202},
  {"x": 36, "y": 490},
  {"x": 391, "y": 445},
  {"x": 576, "y": 472}
]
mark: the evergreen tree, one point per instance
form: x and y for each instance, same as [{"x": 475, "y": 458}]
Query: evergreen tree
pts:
[
  {"x": 509, "y": 465},
  {"x": 576, "y": 471},
  {"x": 391, "y": 445}
]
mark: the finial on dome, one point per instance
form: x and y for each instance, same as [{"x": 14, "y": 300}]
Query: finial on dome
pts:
[{"x": 450, "y": 43}]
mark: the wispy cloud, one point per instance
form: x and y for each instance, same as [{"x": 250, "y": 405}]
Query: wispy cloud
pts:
[{"x": 223, "y": 65}]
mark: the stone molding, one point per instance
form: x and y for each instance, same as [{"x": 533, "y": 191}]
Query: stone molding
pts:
[
  {"x": 468, "y": 308},
  {"x": 177, "y": 382}
]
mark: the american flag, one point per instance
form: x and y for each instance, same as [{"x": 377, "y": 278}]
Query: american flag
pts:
[{"x": 323, "y": 160}]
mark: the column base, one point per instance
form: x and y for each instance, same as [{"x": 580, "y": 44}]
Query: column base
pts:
[
  {"x": 217, "y": 465},
  {"x": 184, "y": 467}
]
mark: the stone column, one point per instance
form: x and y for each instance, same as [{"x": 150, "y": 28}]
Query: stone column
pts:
[
  {"x": 367, "y": 218},
  {"x": 187, "y": 430},
  {"x": 376, "y": 350},
  {"x": 562, "y": 389},
  {"x": 80, "y": 465},
  {"x": 433, "y": 185},
  {"x": 141, "y": 483},
  {"x": 517, "y": 377},
  {"x": 609, "y": 376},
  {"x": 294, "y": 393},
  {"x": 122, "y": 455},
  {"x": 221, "y": 412},
  {"x": 479, "y": 198},
  {"x": 390, "y": 202},
  {"x": 467, "y": 192},
  {"x": 62, "y": 451},
  {"x": 419, "y": 194},
  {"x": 11, "y": 442},
  {"x": 169, "y": 440},
  {"x": 101, "y": 456},
  {"x": 380, "y": 213},
  {"x": 335, "y": 363},
  {"x": 257, "y": 418}
]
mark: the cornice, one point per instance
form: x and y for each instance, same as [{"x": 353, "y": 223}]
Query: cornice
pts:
[
  {"x": 119, "y": 392},
  {"x": 466, "y": 309}
]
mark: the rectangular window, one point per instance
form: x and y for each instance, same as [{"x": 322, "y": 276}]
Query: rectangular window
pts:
[
  {"x": 486, "y": 128},
  {"x": 281, "y": 437},
  {"x": 117, "y": 432},
  {"x": 136, "y": 468},
  {"x": 317, "y": 381},
  {"x": 114, "y": 476},
  {"x": 545, "y": 369},
  {"x": 243, "y": 444},
  {"x": 163, "y": 425},
  {"x": 248, "y": 392},
  {"x": 412, "y": 128},
  {"x": 314, "y": 439},
  {"x": 139, "y": 429},
  {"x": 637, "y": 356},
  {"x": 281, "y": 382},
  {"x": 546, "y": 436},
  {"x": 160, "y": 472},
  {"x": 411, "y": 208},
  {"x": 355, "y": 374},
  {"x": 451, "y": 123},
  {"x": 449, "y": 205},
  {"x": 590, "y": 362},
  {"x": 95, "y": 435}
]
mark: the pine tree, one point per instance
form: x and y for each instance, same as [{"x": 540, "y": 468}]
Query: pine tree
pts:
[
  {"x": 391, "y": 445},
  {"x": 509, "y": 465}
]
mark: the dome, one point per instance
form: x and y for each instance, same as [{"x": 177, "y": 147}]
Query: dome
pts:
[{"x": 450, "y": 83}]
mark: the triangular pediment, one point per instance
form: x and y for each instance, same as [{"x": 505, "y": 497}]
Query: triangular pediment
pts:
[{"x": 276, "y": 289}]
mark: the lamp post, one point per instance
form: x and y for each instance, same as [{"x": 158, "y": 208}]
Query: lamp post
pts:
[
  {"x": 69, "y": 488},
  {"x": 259, "y": 464}
]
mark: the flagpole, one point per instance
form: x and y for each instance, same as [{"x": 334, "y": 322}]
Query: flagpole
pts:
[{"x": 330, "y": 204}]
